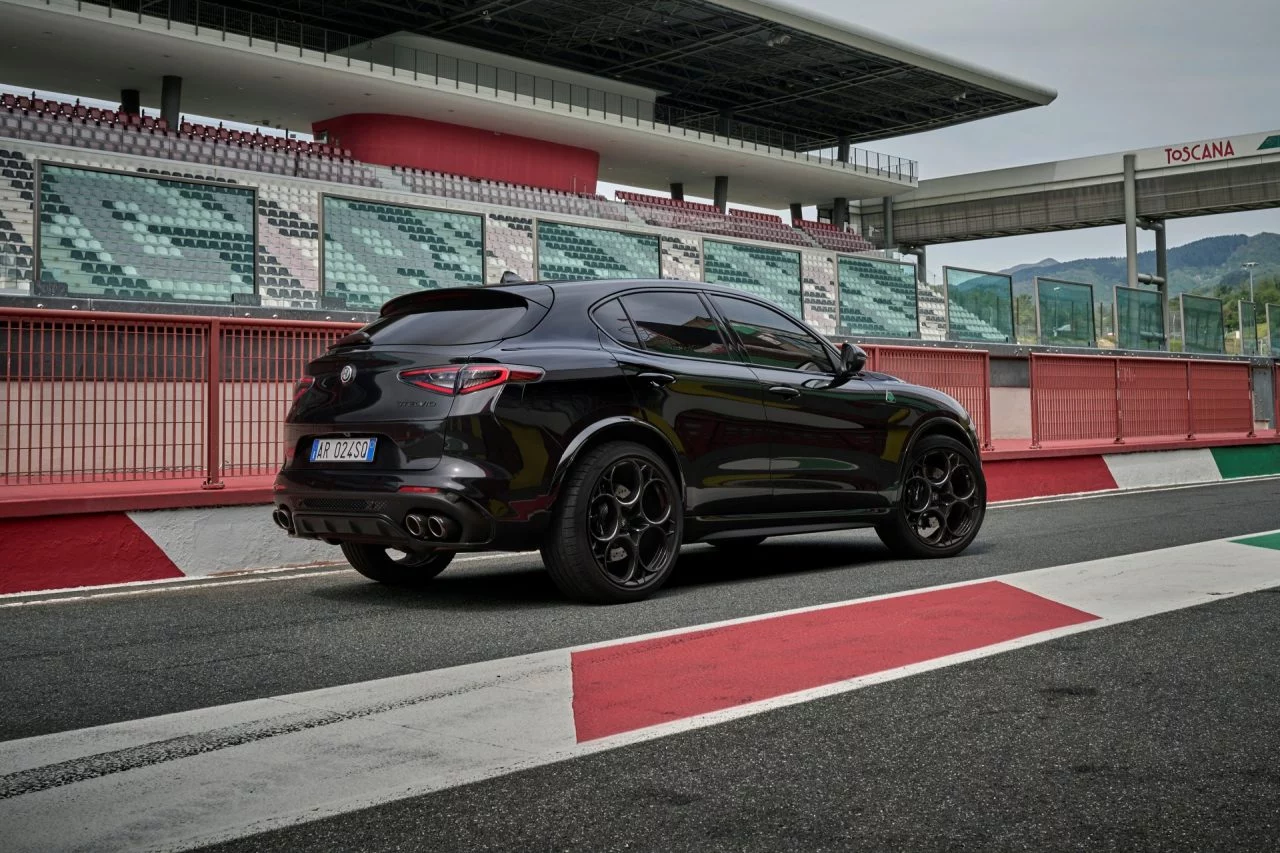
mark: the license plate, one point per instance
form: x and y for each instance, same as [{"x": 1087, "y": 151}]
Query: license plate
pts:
[{"x": 343, "y": 449}]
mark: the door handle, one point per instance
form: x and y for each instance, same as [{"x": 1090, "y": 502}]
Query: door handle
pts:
[
  {"x": 785, "y": 391},
  {"x": 657, "y": 380}
]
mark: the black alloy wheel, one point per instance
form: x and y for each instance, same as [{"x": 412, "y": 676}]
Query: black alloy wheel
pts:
[
  {"x": 944, "y": 500},
  {"x": 617, "y": 532},
  {"x": 395, "y": 568}
]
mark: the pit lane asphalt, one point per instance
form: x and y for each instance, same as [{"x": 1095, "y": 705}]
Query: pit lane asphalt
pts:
[{"x": 71, "y": 665}]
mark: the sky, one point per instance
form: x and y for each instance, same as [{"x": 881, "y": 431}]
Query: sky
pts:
[{"x": 1129, "y": 74}]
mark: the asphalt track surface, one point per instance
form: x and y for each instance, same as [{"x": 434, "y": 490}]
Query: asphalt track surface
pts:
[{"x": 1159, "y": 734}]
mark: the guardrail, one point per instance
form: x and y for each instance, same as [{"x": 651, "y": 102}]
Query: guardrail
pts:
[
  {"x": 111, "y": 398},
  {"x": 1093, "y": 399},
  {"x": 114, "y": 398}
]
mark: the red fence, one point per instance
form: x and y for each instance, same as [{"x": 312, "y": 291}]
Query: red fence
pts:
[
  {"x": 118, "y": 398},
  {"x": 1091, "y": 399},
  {"x": 964, "y": 374},
  {"x": 99, "y": 397}
]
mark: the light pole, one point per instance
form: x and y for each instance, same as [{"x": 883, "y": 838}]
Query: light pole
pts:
[{"x": 1249, "y": 265}]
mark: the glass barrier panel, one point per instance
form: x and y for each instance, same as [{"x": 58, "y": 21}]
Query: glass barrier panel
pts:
[
  {"x": 979, "y": 305},
  {"x": 374, "y": 251},
  {"x": 1139, "y": 319},
  {"x": 577, "y": 253},
  {"x": 1202, "y": 324},
  {"x": 878, "y": 298},
  {"x": 112, "y": 235},
  {"x": 1064, "y": 313},
  {"x": 1248, "y": 312}
]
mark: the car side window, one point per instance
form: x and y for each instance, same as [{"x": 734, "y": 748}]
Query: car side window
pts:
[
  {"x": 616, "y": 324},
  {"x": 676, "y": 324},
  {"x": 771, "y": 338}
]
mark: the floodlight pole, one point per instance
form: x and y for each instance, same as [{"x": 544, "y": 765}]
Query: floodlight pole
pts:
[{"x": 1249, "y": 265}]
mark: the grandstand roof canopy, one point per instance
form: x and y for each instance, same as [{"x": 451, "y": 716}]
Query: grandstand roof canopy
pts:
[{"x": 772, "y": 64}]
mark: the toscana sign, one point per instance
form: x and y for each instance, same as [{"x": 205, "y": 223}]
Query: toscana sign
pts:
[{"x": 1200, "y": 152}]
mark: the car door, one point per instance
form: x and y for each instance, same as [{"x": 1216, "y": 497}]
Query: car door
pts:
[
  {"x": 691, "y": 387},
  {"x": 828, "y": 433}
]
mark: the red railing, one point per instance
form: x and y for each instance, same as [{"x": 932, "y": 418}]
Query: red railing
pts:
[
  {"x": 100, "y": 397},
  {"x": 1092, "y": 399},
  {"x": 128, "y": 398},
  {"x": 964, "y": 374}
]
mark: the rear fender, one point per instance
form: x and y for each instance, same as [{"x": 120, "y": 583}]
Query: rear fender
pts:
[{"x": 620, "y": 428}]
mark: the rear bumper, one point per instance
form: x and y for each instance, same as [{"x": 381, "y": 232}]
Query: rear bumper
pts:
[{"x": 313, "y": 506}]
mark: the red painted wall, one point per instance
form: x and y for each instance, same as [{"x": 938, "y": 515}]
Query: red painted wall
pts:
[{"x": 392, "y": 140}]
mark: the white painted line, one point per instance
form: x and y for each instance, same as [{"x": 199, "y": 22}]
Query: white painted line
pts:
[{"x": 198, "y": 777}]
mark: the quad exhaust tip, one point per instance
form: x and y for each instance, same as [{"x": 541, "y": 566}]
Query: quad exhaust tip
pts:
[
  {"x": 282, "y": 519},
  {"x": 429, "y": 526},
  {"x": 416, "y": 524}
]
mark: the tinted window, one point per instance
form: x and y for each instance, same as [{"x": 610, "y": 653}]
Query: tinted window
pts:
[
  {"x": 675, "y": 323},
  {"x": 773, "y": 339},
  {"x": 451, "y": 318},
  {"x": 616, "y": 323}
]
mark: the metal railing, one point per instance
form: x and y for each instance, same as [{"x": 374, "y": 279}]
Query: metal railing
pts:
[
  {"x": 477, "y": 78},
  {"x": 97, "y": 397},
  {"x": 1096, "y": 399},
  {"x": 963, "y": 374},
  {"x": 109, "y": 398}
]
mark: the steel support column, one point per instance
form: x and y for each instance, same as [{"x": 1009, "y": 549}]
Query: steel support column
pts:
[
  {"x": 171, "y": 100},
  {"x": 842, "y": 149},
  {"x": 797, "y": 211},
  {"x": 722, "y": 193},
  {"x": 1131, "y": 218},
  {"x": 840, "y": 212},
  {"x": 1162, "y": 273},
  {"x": 130, "y": 102},
  {"x": 677, "y": 192},
  {"x": 888, "y": 224}
]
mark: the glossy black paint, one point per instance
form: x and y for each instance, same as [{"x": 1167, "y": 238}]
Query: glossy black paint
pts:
[{"x": 757, "y": 449}]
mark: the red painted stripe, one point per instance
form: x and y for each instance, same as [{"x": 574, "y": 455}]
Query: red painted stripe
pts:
[
  {"x": 634, "y": 685},
  {"x": 81, "y": 550},
  {"x": 1014, "y": 479}
]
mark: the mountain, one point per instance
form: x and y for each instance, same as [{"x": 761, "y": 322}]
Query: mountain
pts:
[{"x": 1203, "y": 266}]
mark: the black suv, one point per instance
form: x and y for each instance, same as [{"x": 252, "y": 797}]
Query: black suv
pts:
[{"x": 606, "y": 423}]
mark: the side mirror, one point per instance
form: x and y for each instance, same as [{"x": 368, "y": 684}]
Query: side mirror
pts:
[{"x": 852, "y": 359}]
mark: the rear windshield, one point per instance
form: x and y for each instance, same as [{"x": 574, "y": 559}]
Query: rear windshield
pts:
[{"x": 456, "y": 319}]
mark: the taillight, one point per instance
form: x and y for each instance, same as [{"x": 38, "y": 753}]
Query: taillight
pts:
[
  {"x": 304, "y": 384},
  {"x": 468, "y": 378}
]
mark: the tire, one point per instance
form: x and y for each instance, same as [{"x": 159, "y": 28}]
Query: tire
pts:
[
  {"x": 738, "y": 545},
  {"x": 937, "y": 516},
  {"x": 376, "y": 564},
  {"x": 605, "y": 545}
]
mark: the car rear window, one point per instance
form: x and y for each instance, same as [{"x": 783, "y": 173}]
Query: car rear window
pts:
[{"x": 453, "y": 319}]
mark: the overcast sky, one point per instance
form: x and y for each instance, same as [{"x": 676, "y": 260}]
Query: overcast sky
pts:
[{"x": 1129, "y": 74}]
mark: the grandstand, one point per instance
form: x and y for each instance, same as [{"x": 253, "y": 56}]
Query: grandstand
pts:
[{"x": 439, "y": 162}]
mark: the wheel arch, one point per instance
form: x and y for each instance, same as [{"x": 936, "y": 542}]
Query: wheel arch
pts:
[
  {"x": 618, "y": 429},
  {"x": 940, "y": 425}
]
